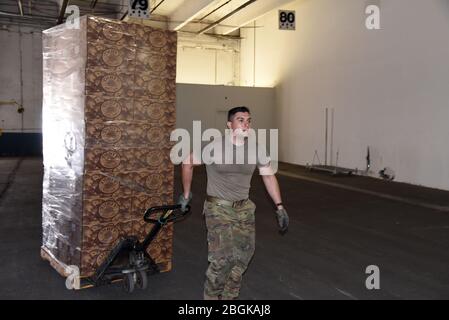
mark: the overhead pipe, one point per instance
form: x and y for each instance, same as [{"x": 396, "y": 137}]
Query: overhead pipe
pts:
[
  {"x": 20, "y": 108},
  {"x": 34, "y": 17},
  {"x": 225, "y": 17}
]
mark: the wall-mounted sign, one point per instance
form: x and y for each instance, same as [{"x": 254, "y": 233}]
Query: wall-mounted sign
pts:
[
  {"x": 287, "y": 20},
  {"x": 139, "y": 9}
]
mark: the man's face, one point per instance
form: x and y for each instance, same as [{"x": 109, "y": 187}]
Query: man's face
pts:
[{"x": 240, "y": 124}]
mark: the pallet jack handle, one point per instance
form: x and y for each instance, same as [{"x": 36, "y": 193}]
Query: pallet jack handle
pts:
[{"x": 170, "y": 213}]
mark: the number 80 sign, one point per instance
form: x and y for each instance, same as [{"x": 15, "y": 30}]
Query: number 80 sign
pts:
[{"x": 287, "y": 20}]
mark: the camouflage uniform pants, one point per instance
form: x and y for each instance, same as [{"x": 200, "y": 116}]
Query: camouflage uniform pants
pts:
[{"x": 231, "y": 244}]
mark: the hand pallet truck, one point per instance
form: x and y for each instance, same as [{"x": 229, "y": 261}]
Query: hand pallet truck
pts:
[{"x": 129, "y": 261}]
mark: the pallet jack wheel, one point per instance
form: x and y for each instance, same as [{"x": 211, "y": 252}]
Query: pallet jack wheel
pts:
[
  {"x": 141, "y": 279},
  {"x": 128, "y": 282}
]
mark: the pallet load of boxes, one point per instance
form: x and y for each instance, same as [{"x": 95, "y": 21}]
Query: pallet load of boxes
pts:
[{"x": 108, "y": 111}]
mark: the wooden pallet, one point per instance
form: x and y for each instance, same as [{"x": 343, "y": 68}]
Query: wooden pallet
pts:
[
  {"x": 82, "y": 282},
  {"x": 57, "y": 265}
]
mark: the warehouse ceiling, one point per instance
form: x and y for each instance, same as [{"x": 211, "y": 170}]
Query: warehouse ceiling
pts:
[{"x": 223, "y": 17}]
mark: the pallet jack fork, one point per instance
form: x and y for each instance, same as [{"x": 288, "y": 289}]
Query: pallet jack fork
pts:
[{"x": 129, "y": 261}]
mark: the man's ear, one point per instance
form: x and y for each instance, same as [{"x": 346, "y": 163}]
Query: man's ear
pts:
[{"x": 229, "y": 124}]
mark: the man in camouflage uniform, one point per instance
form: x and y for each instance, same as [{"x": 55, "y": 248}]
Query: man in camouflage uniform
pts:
[{"x": 229, "y": 213}]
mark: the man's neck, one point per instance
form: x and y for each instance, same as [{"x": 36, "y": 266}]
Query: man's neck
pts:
[{"x": 235, "y": 140}]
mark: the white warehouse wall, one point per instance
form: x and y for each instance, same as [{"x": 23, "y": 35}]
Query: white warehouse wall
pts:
[
  {"x": 204, "y": 59},
  {"x": 389, "y": 88},
  {"x": 209, "y": 104},
  {"x": 21, "y": 62},
  {"x": 200, "y": 60}
]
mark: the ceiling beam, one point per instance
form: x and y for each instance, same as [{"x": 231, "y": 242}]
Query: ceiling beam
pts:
[
  {"x": 19, "y": 4},
  {"x": 152, "y": 10},
  {"x": 124, "y": 15},
  {"x": 62, "y": 11},
  {"x": 216, "y": 9},
  {"x": 186, "y": 12},
  {"x": 250, "y": 14}
]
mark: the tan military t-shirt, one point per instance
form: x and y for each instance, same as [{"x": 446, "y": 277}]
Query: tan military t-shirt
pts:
[{"x": 231, "y": 180}]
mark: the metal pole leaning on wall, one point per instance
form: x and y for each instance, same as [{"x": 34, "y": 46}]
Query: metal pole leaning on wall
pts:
[
  {"x": 325, "y": 139},
  {"x": 254, "y": 58},
  {"x": 21, "y": 76},
  {"x": 332, "y": 137}
]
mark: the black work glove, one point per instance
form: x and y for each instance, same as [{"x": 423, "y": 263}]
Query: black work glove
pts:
[
  {"x": 282, "y": 217},
  {"x": 184, "y": 202}
]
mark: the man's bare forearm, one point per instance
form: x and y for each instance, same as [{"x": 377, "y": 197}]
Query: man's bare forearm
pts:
[
  {"x": 272, "y": 186},
  {"x": 187, "y": 174}
]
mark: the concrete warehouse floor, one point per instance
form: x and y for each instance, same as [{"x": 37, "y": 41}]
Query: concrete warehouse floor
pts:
[{"x": 338, "y": 227}]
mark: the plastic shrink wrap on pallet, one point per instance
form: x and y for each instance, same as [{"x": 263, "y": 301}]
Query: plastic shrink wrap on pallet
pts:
[{"x": 108, "y": 111}]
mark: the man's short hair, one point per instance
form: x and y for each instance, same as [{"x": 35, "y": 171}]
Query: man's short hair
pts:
[{"x": 233, "y": 111}]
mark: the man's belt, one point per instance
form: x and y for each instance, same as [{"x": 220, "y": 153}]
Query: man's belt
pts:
[{"x": 233, "y": 204}]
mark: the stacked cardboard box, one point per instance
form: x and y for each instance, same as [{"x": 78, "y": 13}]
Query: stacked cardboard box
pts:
[{"x": 109, "y": 109}]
